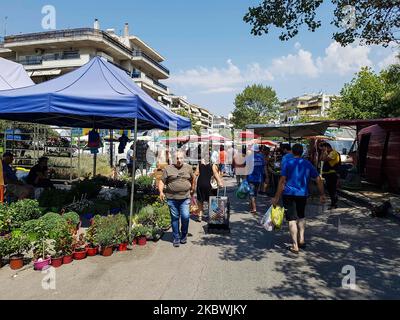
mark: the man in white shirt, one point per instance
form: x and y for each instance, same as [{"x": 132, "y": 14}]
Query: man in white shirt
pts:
[{"x": 129, "y": 159}]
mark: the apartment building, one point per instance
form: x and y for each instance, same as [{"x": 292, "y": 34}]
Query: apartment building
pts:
[
  {"x": 220, "y": 122},
  {"x": 307, "y": 105},
  {"x": 49, "y": 54},
  {"x": 202, "y": 117}
]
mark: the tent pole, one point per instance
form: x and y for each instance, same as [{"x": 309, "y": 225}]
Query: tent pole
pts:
[
  {"x": 94, "y": 164},
  {"x": 133, "y": 182}
]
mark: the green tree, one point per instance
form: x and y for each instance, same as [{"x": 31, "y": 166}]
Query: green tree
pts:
[
  {"x": 391, "y": 77},
  {"x": 362, "y": 98},
  {"x": 256, "y": 104},
  {"x": 371, "y": 21},
  {"x": 195, "y": 127}
]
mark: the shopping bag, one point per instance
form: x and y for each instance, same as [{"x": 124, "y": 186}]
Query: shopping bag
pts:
[
  {"x": 218, "y": 209},
  {"x": 243, "y": 190},
  {"x": 194, "y": 209},
  {"x": 266, "y": 220},
  {"x": 277, "y": 215}
]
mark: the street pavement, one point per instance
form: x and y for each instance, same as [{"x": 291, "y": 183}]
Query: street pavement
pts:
[{"x": 248, "y": 263}]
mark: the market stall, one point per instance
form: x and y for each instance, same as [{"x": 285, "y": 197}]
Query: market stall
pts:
[{"x": 97, "y": 95}]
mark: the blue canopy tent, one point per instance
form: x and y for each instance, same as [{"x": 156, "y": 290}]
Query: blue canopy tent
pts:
[{"x": 98, "y": 95}]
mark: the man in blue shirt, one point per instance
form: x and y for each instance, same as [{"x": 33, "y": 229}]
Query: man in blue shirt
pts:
[
  {"x": 293, "y": 187},
  {"x": 257, "y": 174},
  {"x": 287, "y": 154}
]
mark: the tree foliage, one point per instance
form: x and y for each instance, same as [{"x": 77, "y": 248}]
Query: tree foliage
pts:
[
  {"x": 256, "y": 104},
  {"x": 371, "y": 21},
  {"x": 370, "y": 96}
]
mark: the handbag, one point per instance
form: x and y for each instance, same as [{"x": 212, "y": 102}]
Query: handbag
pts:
[{"x": 214, "y": 183}]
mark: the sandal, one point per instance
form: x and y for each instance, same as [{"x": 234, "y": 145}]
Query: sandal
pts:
[{"x": 293, "y": 251}]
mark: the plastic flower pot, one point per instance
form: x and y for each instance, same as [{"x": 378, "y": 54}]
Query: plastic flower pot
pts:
[
  {"x": 41, "y": 264},
  {"x": 16, "y": 262},
  {"x": 91, "y": 251},
  {"x": 80, "y": 255},
  {"x": 67, "y": 259},
  {"x": 123, "y": 247},
  {"x": 134, "y": 241},
  {"x": 142, "y": 241},
  {"x": 107, "y": 251},
  {"x": 57, "y": 262}
]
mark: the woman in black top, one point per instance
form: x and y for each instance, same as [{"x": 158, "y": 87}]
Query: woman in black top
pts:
[{"x": 204, "y": 173}]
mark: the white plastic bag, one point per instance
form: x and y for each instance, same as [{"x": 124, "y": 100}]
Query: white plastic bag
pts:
[{"x": 266, "y": 220}]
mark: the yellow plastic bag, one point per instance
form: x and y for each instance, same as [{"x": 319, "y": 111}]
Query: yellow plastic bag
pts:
[{"x": 277, "y": 215}]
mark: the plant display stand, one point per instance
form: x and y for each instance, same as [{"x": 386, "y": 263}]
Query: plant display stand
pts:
[{"x": 29, "y": 142}]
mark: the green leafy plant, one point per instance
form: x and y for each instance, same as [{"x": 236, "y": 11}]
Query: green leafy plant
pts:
[
  {"x": 72, "y": 218},
  {"x": 39, "y": 236},
  {"x": 91, "y": 236},
  {"x": 18, "y": 243},
  {"x": 105, "y": 230},
  {"x": 79, "y": 243},
  {"x": 5, "y": 219},
  {"x": 22, "y": 211},
  {"x": 121, "y": 228},
  {"x": 4, "y": 247}
]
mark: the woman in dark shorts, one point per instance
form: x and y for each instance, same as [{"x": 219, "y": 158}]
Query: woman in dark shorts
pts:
[{"x": 204, "y": 174}]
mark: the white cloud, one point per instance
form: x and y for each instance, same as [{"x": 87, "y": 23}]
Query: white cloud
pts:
[
  {"x": 219, "y": 80},
  {"x": 390, "y": 59},
  {"x": 301, "y": 63},
  {"x": 344, "y": 60},
  {"x": 336, "y": 60}
]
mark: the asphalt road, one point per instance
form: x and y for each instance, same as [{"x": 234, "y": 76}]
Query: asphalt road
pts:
[{"x": 248, "y": 263}]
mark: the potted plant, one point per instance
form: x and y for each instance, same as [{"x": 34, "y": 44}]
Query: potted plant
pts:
[
  {"x": 80, "y": 250},
  {"x": 73, "y": 219},
  {"x": 5, "y": 220},
  {"x": 105, "y": 234},
  {"x": 63, "y": 245},
  {"x": 121, "y": 232},
  {"x": 3, "y": 249},
  {"x": 18, "y": 244},
  {"x": 90, "y": 238},
  {"x": 140, "y": 232}
]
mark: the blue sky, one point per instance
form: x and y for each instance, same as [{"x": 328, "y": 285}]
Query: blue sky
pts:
[{"x": 209, "y": 49}]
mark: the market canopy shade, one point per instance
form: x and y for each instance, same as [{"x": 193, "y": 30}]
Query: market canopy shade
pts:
[
  {"x": 289, "y": 131},
  {"x": 248, "y": 135},
  {"x": 13, "y": 75},
  {"x": 97, "y": 94}
]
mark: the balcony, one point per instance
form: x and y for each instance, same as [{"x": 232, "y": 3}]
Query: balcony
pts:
[
  {"x": 68, "y": 35},
  {"x": 139, "y": 53},
  {"x": 161, "y": 85},
  {"x": 36, "y": 60}
]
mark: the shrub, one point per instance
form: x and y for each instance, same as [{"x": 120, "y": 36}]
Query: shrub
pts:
[
  {"x": 5, "y": 219},
  {"x": 72, "y": 218},
  {"x": 121, "y": 228},
  {"x": 105, "y": 230},
  {"x": 22, "y": 211},
  {"x": 18, "y": 243},
  {"x": 4, "y": 247}
]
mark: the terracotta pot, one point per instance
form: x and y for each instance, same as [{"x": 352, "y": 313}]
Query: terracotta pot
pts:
[
  {"x": 80, "y": 255},
  {"x": 123, "y": 247},
  {"x": 41, "y": 265},
  {"x": 142, "y": 241},
  {"x": 67, "y": 259},
  {"x": 91, "y": 251},
  {"x": 107, "y": 251},
  {"x": 57, "y": 262},
  {"x": 16, "y": 262}
]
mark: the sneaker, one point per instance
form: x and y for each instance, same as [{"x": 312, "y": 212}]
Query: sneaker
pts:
[
  {"x": 184, "y": 240},
  {"x": 176, "y": 243}
]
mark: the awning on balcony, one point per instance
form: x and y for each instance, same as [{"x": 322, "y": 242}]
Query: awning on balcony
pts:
[{"x": 52, "y": 72}]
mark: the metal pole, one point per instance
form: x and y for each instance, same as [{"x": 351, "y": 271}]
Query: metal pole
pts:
[
  {"x": 94, "y": 164},
  {"x": 133, "y": 182},
  {"x": 111, "y": 148}
]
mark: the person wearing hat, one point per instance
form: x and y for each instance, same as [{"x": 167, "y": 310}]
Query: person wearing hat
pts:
[
  {"x": 14, "y": 186},
  {"x": 38, "y": 175},
  {"x": 257, "y": 173}
]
